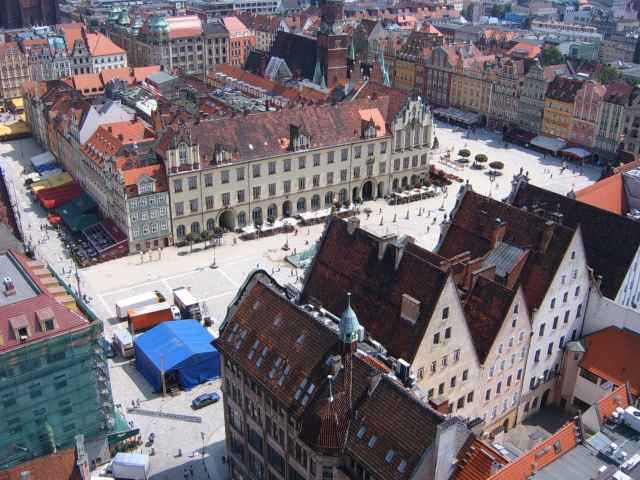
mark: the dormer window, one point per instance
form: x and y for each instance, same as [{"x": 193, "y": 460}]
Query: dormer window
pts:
[
  {"x": 183, "y": 154},
  {"x": 220, "y": 154},
  {"x": 298, "y": 138},
  {"x": 368, "y": 129},
  {"x": 20, "y": 327}
]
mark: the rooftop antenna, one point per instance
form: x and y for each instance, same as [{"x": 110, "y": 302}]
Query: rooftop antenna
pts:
[{"x": 330, "y": 377}]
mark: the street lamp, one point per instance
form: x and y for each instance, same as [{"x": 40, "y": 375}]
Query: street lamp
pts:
[
  {"x": 492, "y": 178},
  {"x": 214, "y": 265},
  {"x": 202, "y": 436},
  {"x": 285, "y": 247},
  {"x": 444, "y": 197}
]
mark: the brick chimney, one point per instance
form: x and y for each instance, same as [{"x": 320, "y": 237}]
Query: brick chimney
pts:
[
  {"x": 547, "y": 235},
  {"x": 497, "y": 235}
]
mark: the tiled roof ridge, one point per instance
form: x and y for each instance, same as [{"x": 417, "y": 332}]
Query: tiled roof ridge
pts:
[{"x": 529, "y": 463}]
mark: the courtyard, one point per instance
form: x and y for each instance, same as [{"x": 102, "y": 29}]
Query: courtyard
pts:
[{"x": 104, "y": 284}]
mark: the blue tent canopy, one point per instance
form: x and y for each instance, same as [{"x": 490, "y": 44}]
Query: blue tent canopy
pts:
[{"x": 182, "y": 346}]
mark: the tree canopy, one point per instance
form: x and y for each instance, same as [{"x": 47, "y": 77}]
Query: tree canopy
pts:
[{"x": 551, "y": 56}]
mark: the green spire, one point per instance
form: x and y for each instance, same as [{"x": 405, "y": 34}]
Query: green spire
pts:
[
  {"x": 317, "y": 73},
  {"x": 385, "y": 72}
]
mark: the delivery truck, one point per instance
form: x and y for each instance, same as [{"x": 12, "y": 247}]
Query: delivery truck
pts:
[
  {"x": 137, "y": 301},
  {"x": 148, "y": 316},
  {"x": 130, "y": 466},
  {"x": 123, "y": 342},
  {"x": 187, "y": 303}
]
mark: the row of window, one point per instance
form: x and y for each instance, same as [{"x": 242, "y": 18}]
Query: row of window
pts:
[
  {"x": 148, "y": 228},
  {"x": 151, "y": 214},
  {"x": 498, "y": 391}
]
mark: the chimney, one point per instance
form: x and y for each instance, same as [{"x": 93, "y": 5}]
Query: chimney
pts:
[
  {"x": 440, "y": 404},
  {"x": 497, "y": 235},
  {"x": 352, "y": 224},
  {"x": 547, "y": 235}
]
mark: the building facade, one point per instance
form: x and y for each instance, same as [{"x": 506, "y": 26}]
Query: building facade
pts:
[
  {"x": 609, "y": 136},
  {"x": 14, "y": 70},
  {"x": 508, "y": 77},
  {"x": 559, "y": 105},
  {"x": 241, "y": 41},
  {"x": 54, "y": 378},
  {"x": 293, "y": 162},
  {"x": 531, "y": 104},
  {"x": 587, "y": 113},
  {"x": 472, "y": 87}
]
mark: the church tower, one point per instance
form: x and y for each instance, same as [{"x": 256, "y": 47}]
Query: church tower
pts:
[{"x": 333, "y": 43}]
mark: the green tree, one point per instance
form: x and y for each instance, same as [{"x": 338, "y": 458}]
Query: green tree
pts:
[
  {"x": 464, "y": 153},
  {"x": 608, "y": 74},
  {"x": 551, "y": 56},
  {"x": 499, "y": 11},
  {"x": 467, "y": 12}
]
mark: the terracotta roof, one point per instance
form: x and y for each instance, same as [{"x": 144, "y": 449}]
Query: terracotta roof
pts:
[
  {"x": 607, "y": 194},
  {"x": 524, "y": 49},
  {"x": 563, "y": 89},
  {"x": 25, "y": 310},
  {"x": 184, "y": 26},
  {"x": 267, "y": 134},
  {"x": 473, "y": 225},
  {"x": 618, "y": 92},
  {"x": 611, "y": 241},
  {"x": 540, "y": 456},
  {"x": 429, "y": 28},
  {"x": 486, "y": 307},
  {"x": 108, "y": 141},
  {"x": 123, "y": 73},
  {"x": 87, "y": 83},
  {"x": 610, "y": 354},
  {"x": 132, "y": 176},
  {"x": 397, "y": 98},
  {"x": 477, "y": 460},
  {"x": 352, "y": 262},
  {"x": 267, "y": 317},
  {"x": 58, "y": 466},
  {"x": 141, "y": 73},
  {"x": 235, "y": 26},
  {"x": 618, "y": 398},
  {"x": 101, "y": 45},
  {"x": 72, "y": 32}
]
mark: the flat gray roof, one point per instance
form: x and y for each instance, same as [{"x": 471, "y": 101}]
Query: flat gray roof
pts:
[{"x": 23, "y": 285}]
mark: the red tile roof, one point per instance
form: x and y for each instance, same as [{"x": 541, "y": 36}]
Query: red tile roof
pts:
[
  {"x": 235, "y": 27},
  {"x": 610, "y": 354},
  {"x": 267, "y": 134},
  {"x": 477, "y": 460},
  {"x": 563, "y": 89},
  {"x": 185, "y": 26},
  {"x": 611, "y": 241},
  {"x": 72, "y": 32},
  {"x": 132, "y": 176},
  {"x": 607, "y": 194},
  {"x": 58, "y": 466},
  {"x": 87, "y": 83},
  {"x": 473, "y": 225},
  {"x": 524, "y": 49},
  {"x": 65, "y": 319},
  {"x": 141, "y": 73},
  {"x": 123, "y": 73},
  {"x": 540, "y": 456},
  {"x": 618, "y": 398},
  {"x": 352, "y": 262},
  {"x": 100, "y": 45}
]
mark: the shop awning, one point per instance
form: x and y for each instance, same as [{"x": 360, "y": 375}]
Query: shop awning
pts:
[
  {"x": 550, "y": 144},
  {"x": 576, "y": 152},
  {"x": 78, "y": 214},
  {"x": 17, "y": 103}
]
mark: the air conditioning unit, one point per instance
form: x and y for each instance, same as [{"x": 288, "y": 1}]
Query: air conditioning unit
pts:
[{"x": 631, "y": 418}]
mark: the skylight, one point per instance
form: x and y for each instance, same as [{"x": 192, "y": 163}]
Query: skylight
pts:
[
  {"x": 402, "y": 466},
  {"x": 361, "y": 432},
  {"x": 372, "y": 441},
  {"x": 389, "y": 457}
]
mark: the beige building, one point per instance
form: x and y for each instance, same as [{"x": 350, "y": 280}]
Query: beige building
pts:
[
  {"x": 499, "y": 324},
  {"x": 407, "y": 301},
  {"x": 258, "y": 168},
  {"x": 471, "y": 86},
  {"x": 14, "y": 70}
]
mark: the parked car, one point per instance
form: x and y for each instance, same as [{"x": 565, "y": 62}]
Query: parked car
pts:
[{"x": 205, "y": 399}]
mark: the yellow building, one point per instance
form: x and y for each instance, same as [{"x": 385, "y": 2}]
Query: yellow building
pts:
[
  {"x": 471, "y": 87},
  {"x": 558, "y": 107}
]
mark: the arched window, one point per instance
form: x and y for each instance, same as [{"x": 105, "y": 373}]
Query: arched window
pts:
[
  {"x": 342, "y": 196},
  {"x": 328, "y": 199},
  {"x": 301, "y": 205},
  {"x": 407, "y": 137},
  {"x": 195, "y": 228},
  {"x": 182, "y": 154},
  {"x": 272, "y": 212},
  {"x": 416, "y": 137},
  {"x": 181, "y": 231},
  {"x": 256, "y": 216},
  {"x": 315, "y": 202},
  {"x": 395, "y": 185},
  {"x": 211, "y": 224},
  {"x": 405, "y": 182},
  {"x": 242, "y": 219}
]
